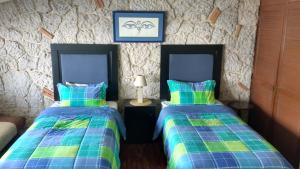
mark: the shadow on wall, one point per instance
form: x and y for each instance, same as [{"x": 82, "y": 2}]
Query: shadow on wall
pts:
[{"x": 279, "y": 136}]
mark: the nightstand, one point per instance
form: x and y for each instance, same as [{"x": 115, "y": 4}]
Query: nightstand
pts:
[
  {"x": 140, "y": 121},
  {"x": 242, "y": 109}
]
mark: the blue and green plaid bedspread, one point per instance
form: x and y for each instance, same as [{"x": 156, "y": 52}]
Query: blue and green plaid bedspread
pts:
[
  {"x": 68, "y": 138},
  {"x": 213, "y": 137}
]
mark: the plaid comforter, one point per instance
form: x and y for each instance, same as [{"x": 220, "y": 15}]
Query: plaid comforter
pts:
[
  {"x": 68, "y": 138},
  {"x": 213, "y": 137}
]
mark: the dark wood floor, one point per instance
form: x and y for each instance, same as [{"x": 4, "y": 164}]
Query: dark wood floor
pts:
[{"x": 143, "y": 156}]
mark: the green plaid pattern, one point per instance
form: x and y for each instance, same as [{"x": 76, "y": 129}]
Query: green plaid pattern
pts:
[
  {"x": 70, "y": 137},
  {"x": 82, "y": 96},
  {"x": 214, "y": 139},
  {"x": 192, "y": 93}
]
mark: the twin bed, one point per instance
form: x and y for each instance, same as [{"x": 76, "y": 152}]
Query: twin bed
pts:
[
  {"x": 206, "y": 136},
  {"x": 74, "y": 137},
  {"x": 195, "y": 136}
]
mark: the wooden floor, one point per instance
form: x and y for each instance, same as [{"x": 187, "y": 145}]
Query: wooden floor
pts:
[{"x": 143, "y": 156}]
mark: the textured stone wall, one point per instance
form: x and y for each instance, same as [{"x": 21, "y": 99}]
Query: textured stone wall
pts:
[{"x": 25, "y": 66}]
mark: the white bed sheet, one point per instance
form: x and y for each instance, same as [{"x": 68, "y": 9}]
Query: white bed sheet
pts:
[
  {"x": 112, "y": 104},
  {"x": 8, "y": 131},
  {"x": 167, "y": 103}
]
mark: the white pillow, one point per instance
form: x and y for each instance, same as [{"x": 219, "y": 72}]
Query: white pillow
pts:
[
  {"x": 111, "y": 104},
  {"x": 168, "y": 103},
  {"x": 76, "y": 84}
]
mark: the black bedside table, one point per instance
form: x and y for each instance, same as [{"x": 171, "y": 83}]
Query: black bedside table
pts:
[
  {"x": 242, "y": 109},
  {"x": 140, "y": 121}
]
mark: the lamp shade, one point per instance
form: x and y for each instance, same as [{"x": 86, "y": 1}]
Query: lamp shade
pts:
[{"x": 140, "y": 81}]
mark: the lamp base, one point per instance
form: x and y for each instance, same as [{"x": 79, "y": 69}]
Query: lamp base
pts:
[{"x": 146, "y": 102}]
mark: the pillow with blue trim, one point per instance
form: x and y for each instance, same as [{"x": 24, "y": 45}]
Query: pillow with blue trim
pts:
[
  {"x": 82, "y": 96},
  {"x": 192, "y": 93}
]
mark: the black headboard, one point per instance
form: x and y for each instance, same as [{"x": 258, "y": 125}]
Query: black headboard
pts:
[
  {"x": 192, "y": 63},
  {"x": 85, "y": 63}
]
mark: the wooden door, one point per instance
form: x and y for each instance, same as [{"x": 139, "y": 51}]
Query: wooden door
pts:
[
  {"x": 268, "y": 49},
  {"x": 286, "y": 123}
]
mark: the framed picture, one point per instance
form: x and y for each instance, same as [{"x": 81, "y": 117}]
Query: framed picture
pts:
[{"x": 138, "y": 26}]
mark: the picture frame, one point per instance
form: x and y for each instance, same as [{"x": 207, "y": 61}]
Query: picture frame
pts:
[{"x": 138, "y": 26}]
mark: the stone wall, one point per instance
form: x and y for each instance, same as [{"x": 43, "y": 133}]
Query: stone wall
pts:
[{"x": 25, "y": 66}]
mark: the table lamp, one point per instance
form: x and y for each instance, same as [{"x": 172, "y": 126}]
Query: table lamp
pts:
[{"x": 140, "y": 82}]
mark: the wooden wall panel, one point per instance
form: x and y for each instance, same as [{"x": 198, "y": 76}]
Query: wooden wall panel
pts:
[
  {"x": 266, "y": 3},
  {"x": 267, "y": 61},
  {"x": 289, "y": 72},
  {"x": 265, "y": 68},
  {"x": 290, "y": 1},
  {"x": 275, "y": 89},
  {"x": 268, "y": 46},
  {"x": 286, "y": 125},
  {"x": 261, "y": 116},
  {"x": 287, "y": 112},
  {"x": 263, "y": 96}
]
